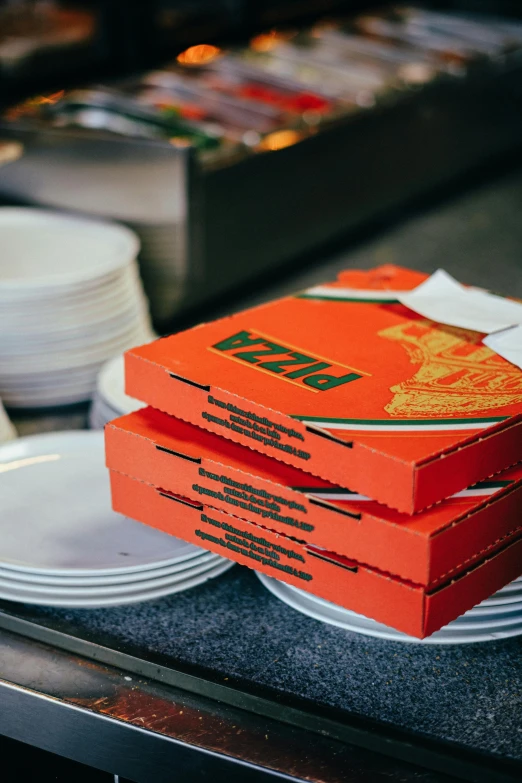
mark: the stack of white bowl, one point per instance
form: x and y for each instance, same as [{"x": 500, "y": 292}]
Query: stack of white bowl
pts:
[
  {"x": 62, "y": 545},
  {"x": 7, "y": 430},
  {"x": 110, "y": 400},
  {"x": 498, "y": 617},
  {"x": 70, "y": 299}
]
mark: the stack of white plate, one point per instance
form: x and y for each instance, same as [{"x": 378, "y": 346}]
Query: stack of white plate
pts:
[
  {"x": 62, "y": 545},
  {"x": 110, "y": 399},
  {"x": 163, "y": 264},
  {"x": 7, "y": 430},
  {"x": 498, "y": 617},
  {"x": 70, "y": 298}
]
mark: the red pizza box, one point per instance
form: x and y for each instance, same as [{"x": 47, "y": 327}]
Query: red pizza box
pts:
[
  {"x": 404, "y": 605},
  {"x": 426, "y": 548},
  {"x": 345, "y": 383}
]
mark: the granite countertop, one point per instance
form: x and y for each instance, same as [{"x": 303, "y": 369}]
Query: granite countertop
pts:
[{"x": 233, "y": 631}]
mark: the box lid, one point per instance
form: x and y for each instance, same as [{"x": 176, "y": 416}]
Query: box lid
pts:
[
  {"x": 345, "y": 383},
  {"x": 425, "y": 548},
  {"x": 402, "y": 604}
]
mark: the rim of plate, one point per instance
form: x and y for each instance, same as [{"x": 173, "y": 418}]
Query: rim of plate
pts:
[
  {"x": 502, "y": 600},
  {"x": 91, "y": 581},
  {"x": 135, "y": 598},
  {"x": 110, "y": 387},
  {"x": 96, "y": 353},
  {"x": 15, "y": 449},
  {"x": 479, "y": 610},
  {"x": 17, "y": 402},
  {"x": 512, "y": 587},
  {"x": 45, "y": 297},
  {"x": 458, "y": 636},
  {"x": 464, "y": 622},
  {"x": 123, "y": 588},
  {"x": 52, "y": 327},
  {"x": 126, "y": 245}
]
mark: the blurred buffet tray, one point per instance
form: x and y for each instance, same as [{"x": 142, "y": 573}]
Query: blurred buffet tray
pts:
[{"x": 228, "y": 163}]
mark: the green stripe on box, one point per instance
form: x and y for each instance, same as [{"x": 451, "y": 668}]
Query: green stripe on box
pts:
[
  {"x": 346, "y": 299},
  {"x": 402, "y": 422}
]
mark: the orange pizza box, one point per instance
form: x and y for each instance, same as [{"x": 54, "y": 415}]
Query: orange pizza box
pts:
[
  {"x": 425, "y": 548},
  {"x": 345, "y": 383},
  {"x": 404, "y": 605}
]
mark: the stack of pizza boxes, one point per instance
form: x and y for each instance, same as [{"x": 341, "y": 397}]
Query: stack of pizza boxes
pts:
[{"x": 336, "y": 441}]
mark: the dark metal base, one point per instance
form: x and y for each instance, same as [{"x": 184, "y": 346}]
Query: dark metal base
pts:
[
  {"x": 264, "y": 703},
  {"x": 143, "y": 731}
]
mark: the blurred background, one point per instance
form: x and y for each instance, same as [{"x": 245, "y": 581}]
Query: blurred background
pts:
[
  {"x": 247, "y": 148},
  {"x": 250, "y": 148},
  {"x": 238, "y": 136}
]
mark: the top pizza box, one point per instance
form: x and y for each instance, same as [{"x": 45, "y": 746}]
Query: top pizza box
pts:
[{"x": 344, "y": 382}]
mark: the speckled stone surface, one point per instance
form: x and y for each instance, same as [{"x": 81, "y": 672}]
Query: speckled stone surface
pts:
[{"x": 233, "y": 627}]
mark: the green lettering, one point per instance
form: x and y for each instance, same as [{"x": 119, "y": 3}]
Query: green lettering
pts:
[
  {"x": 239, "y": 340},
  {"x": 296, "y": 359},
  {"x": 326, "y": 382},
  {"x": 307, "y": 371}
]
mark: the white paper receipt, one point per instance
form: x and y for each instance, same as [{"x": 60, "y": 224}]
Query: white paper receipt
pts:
[{"x": 443, "y": 299}]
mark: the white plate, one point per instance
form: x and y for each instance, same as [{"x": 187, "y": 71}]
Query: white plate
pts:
[
  {"x": 350, "y": 621},
  {"x": 502, "y": 600},
  {"x": 54, "y": 382},
  {"x": 70, "y": 299},
  {"x": 99, "y": 415},
  {"x": 62, "y": 357},
  {"x": 49, "y": 394},
  {"x": 42, "y": 248},
  {"x": 63, "y": 311},
  {"x": 513, "y": 587},
  {"x": 54, "y": 592},
  {"x": 58, "y": 400},
  {"x": 35, "y": 581},
  {"x": 49, "y": 381},
  {"x": 131, "y": 598},
  {"x": 57, "y": 517},
  {"x": 470, "y": 620},
  {"x": 98, "y": 349},
  {"x": 70, "y": 335},
  {"x": 101, "y": 407},
  {"x": 90, "y": 310},
  {"x": 11, "y": 300},
  {"x": 111, "y": 384},
  {"x": 482, "y": 610},
  {"x": 503, "y": 621}
]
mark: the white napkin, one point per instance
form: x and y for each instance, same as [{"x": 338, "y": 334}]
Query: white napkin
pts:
[
  {"x": 507, "y": 343},
  {"x": 441, "y": 298}
]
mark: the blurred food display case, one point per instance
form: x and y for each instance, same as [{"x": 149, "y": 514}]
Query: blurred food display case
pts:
[
  {"x": 231, "y": 160},
  {"x": 44, "y": 41},
  {"x": 175, "y": 24}
]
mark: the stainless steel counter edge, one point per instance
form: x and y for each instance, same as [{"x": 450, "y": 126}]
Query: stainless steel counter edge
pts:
[{"x": 240, "y": 707}]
